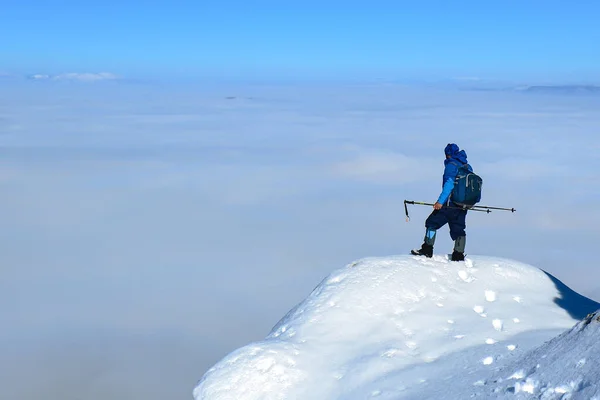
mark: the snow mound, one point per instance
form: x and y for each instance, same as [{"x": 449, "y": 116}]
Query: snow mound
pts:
[{"x": 398, "y": 327}]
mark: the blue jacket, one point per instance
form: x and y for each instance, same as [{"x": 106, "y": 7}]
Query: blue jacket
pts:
[{"x": 456, "y": 159}]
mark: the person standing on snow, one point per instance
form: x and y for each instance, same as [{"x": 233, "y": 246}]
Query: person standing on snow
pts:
[{"x": 445, "y": 211}]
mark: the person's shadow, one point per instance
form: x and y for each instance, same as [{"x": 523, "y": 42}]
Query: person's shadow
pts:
[{"x": 576, "y": 305}]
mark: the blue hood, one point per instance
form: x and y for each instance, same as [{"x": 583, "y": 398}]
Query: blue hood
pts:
[{"x": 455, "y": 154}]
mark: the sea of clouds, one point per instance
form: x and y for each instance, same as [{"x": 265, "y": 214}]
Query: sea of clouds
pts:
[{"x": 149, "y": 230}]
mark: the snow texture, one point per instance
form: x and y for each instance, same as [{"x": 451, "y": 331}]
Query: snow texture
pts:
[
  {"x": 417, "y": 328},
  {"x": 566, "y": 367}
]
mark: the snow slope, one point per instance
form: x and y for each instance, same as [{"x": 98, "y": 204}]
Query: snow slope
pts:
[
  {"x": 403, "y": 327},
  {"x": 566, "y": 367}
]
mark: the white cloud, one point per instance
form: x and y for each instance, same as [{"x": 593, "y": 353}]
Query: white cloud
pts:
[
  {"x": 77, "y": 76},
  {"x": 39, "y": 77},
  {"x": 523, "y": 169},
  {"x": 384, "y": 167},
  {"x": 86, "y": 77}
]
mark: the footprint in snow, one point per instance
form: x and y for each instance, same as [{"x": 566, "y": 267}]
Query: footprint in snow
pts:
[
  {"x": 480, "y": 310},
  {"x": 497, "y": 323},
  {"x": 464, "y": 275},
  {"x": 490, "y": 295}
]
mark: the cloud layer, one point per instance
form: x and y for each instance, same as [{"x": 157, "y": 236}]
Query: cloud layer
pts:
[{"x": 160, "y": 212}]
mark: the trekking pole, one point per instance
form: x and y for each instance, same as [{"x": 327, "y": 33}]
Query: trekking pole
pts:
[
  {"x": 497, "y": 208},
  {"x": 420, "y": 203}
]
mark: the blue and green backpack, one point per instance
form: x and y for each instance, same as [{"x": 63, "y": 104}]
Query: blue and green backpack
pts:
[{"x": 467, "y": 187}]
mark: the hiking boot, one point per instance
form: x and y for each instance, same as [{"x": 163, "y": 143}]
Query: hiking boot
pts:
[
  {"x": 458, "y": 256},
  {"x": 425, "y": 250}
]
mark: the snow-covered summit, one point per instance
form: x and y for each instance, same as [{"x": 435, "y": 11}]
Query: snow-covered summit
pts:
[{"x": 402, "y": 327}]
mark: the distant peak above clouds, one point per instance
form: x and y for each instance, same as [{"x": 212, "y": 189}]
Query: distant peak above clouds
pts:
[
  {"x": 77, "y": 77},
  {"x": 561, "y": 89}
]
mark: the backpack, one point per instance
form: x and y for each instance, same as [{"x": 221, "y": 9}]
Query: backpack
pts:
[{"x": 467, "y": 188}]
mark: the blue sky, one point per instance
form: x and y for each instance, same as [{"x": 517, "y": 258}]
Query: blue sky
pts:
[{"x": 545, "y": 40}]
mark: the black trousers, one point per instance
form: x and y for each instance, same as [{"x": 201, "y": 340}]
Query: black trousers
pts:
[{"x": 455, "y": 218}]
